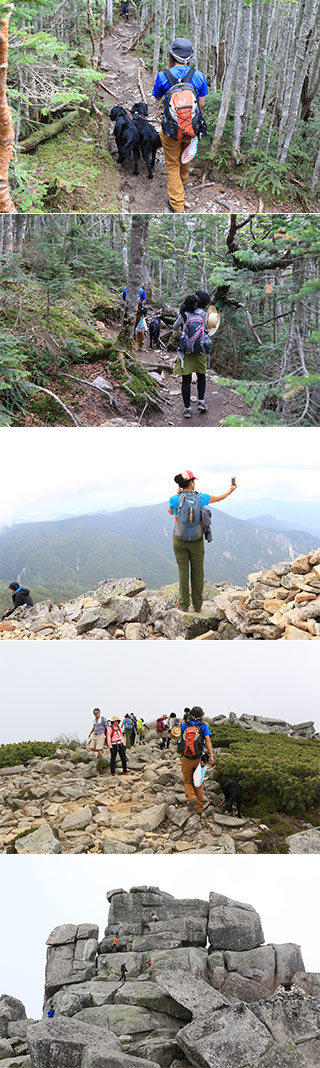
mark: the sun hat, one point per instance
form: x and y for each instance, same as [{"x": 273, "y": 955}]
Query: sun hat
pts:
[
  {"x": 213, "y": 320},
  {"x": 181, "y": 49}
]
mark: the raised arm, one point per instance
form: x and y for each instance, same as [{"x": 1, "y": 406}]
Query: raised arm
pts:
[{"x": 214, "y": 500}]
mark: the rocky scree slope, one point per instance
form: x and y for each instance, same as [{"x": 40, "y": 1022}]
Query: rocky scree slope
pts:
[
  {"x": 280, "y": 603},
  {"x": 213, "y": 995},
  {"x": 65, "y": 805}
]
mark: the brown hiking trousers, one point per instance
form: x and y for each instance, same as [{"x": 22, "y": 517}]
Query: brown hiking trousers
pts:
[
  {"x": 177, "y": 172},
  {"x": 188, "y": 766}
]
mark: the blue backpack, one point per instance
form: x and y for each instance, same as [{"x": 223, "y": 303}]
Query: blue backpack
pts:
[{"x": 188, "y": 525}]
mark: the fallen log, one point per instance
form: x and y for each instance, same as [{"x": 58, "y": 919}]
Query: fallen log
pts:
[
  {"x": 135, "y": 40},
  {"x": 46, "y": 132}
]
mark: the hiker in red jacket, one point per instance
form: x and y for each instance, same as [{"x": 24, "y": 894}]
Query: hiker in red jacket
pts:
[{"x": 162, "y": 731}]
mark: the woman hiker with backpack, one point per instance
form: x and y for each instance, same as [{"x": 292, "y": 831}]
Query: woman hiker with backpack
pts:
[
  {"x": 189, "y": 508},
  {"x": 184, "y": 89},
  {"x": 115, "y": 741},
  {"x": 195, "y": 343},
  {"x": 195, "y": 735}
]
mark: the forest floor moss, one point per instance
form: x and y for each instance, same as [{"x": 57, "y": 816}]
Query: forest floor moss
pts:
[{"x": 77, "y": 173}]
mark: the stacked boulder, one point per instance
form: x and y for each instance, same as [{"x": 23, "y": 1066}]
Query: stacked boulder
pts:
[
  {"x": 201, "y": 988},
  {"x": 282, "y": 602}
]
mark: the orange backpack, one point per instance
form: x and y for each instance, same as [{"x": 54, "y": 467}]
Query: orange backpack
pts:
[{"x": 182, "y": 114}]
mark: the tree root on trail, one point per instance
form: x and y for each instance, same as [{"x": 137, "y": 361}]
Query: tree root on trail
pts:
[
  {"x": 41, "y": 389},
  {"x": 46, "y": 132}
]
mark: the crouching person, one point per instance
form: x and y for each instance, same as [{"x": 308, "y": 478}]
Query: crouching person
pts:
[
  {"x": 115, "y": 741},
  {"x": 195, "y": 736}
]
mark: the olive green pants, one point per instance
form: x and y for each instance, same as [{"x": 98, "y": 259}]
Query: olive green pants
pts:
[{"x": 190, "y": 555}]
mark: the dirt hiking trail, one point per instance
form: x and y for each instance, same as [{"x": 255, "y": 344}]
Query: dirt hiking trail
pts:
[{"x": 122, "y": 71}]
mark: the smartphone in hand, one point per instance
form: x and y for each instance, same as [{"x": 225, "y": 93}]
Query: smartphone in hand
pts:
[{"x": 233, "y": 480}]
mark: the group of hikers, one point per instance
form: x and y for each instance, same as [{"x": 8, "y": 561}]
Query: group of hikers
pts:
[
  {"x": 119, "y": 735},
  {"x": 190, "y": 733}
]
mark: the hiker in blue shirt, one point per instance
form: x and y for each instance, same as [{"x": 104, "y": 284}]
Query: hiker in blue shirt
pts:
[
  {"x": 195, "y": 736},
  {"x": 188, "y": 546},
  {"x": 142, "y": 295},
  {"x": 182, "y": 123}
]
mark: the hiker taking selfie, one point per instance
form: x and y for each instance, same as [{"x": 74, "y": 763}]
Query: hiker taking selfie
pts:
[
  {"x": 191, "y": 526},
  {"x": 184, "y": 89},
  {"x": 195, "y": 737},
  {"x": 199, "y": 321}
]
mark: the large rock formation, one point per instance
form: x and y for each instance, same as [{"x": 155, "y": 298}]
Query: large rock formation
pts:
[
  {"x": 283, "y": 602},
  {"x": 202, "y": 989}
]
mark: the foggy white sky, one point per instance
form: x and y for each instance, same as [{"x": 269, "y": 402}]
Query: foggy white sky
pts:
[
  {"x": 49, "y": 688},
  {"x": 49, "y": 473},
  {"x": 39, "y": 893}
]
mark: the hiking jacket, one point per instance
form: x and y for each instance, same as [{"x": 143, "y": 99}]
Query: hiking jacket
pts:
[
  {"x": 161, "y": 725},
  {"x": 19, "y": 597},
  {"x": 114, "y": 736}
]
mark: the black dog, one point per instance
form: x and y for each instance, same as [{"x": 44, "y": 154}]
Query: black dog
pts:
[
  {"x": 154, "y": 331},
  {"x": 126, "y": 135},
  {"x": 149, "y": 140},
  {"x": 232, "y": 795}
]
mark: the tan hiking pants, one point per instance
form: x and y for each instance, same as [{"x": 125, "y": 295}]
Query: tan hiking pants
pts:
[
  {"x": 187, "y": 767},
  {"x": 177, "y": 172}
]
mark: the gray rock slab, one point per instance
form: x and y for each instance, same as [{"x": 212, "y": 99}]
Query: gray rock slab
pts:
[
  {"x": 193, "y": 994},
  {"x": 59, "y": 1043},
  {"x": 126, "y": 587},
  {"x": 285, "y": 1056},
  {"x": 226, "y": 1038},
  {"x": 233, "y": 925},
  {"x": 126, "y": 1019},
  {"x": 305, "y": 841},
  {"x": 163, "y": 1049},
  {"x": 40, "y": 841},
  {"x": 289, "y": 1016},
  {"x": 90, "y": 1059},
  {"x": 16, "y": 1062},
  {"x": 309, "y": 982},
  {"x": 63, "y": 935},
  {"x": 12, "y": 1007},
  {"x": 73, "y": 998},
  {"x": 77, "y": 819},
  {"x": 288, "y": 961},
  {"x": 6, "y": 1049},
  {"x": 151, "y": 996}
]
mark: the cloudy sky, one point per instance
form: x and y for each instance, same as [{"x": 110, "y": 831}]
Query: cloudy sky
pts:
[
  {"x": 49, "y": 473},
  {"x": 39, "y": 893},
  {"x": 49, "y": 688}
]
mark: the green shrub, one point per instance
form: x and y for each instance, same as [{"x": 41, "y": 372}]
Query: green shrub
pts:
[
  {"x": 276, "y": 773},
  {"x": 23, "y": 752}
]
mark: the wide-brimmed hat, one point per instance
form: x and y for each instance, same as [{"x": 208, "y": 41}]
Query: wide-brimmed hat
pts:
[
  {"x": 213, "y": 320},
  {"x": 115, "y": 719},
  {"x": 181, "y": 49},
  {"x": 176, "y": 731}
]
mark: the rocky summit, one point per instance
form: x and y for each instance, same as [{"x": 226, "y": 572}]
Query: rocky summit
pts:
[
  {"x": 201, "y": 988},
  {"x": 283, "y": 602},
  {"x": 69, "y": 803}
]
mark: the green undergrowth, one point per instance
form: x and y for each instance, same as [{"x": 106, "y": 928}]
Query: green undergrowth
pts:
[
  {"x": 278, "y": 774},
  {"x": 67, "y": 173},
  {"x": 23, "y": 752}
]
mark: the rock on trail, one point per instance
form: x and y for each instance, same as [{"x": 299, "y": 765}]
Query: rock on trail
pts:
[{"x": 280, "y": 603}]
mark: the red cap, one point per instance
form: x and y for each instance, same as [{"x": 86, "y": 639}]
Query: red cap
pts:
[{"x": 188, "y": 474}]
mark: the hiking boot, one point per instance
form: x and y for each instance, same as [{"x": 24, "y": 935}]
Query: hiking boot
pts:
[
  {"x": 126, "y": 773},
  {"x": 187, "y": 413},
  {"x": 202, "y": 407},
  {"x": 170, "y": 208}
]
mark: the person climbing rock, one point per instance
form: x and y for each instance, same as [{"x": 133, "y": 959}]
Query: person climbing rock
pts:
[
  {"x": 20, "y": 596},
  {"x": 195, "y": 735},
  {"x": 194, "y": 346},
  {"x": 124, "y": 12},
  {"x": 115, "y": 741},
  {"x": 162, "y": 731},
  {"x": 144, "y": 926},
  {"x": 149, "y": 960},
  {"x": 51, "y": 1012},
  {"x": 188, "y": 538},
  {"x": 184, "y": 89},
  {"x": 123, "y": 972},
  {"x": 98, "y": 733},
  {"x": 115, "y": 944},
  {"x": 128, "y": 727}
]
